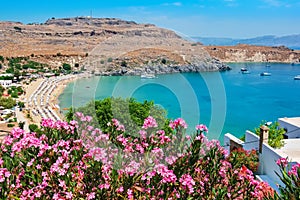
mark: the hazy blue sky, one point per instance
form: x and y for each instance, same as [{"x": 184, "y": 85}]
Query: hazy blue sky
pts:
[{"x": 207, "y": 18}]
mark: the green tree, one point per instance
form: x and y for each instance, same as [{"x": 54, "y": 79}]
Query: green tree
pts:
[
  {"x": 1, "y": 90},
  {"x": 17, "y": 74},
  {"x": 70, "y": 114},
  {"x": 18, "y": 66},
  {"x": 7, "y": 103},
  {"x": 25, "y": 66},
  {"x": 33, "y": 127},
  {"x": 21, "y": 104},
  {"x": 66, "y": 66},
  {"x": 129, "y": 112},
  {"x": 1, "y": 59},
  {"x": 21, "y": 125},
  {"x": 275, "y": 134},
  {"x": 124, "y": 63},
  {"x": 10, "y": 70},
  {"x": 20, "y": 89},
  {"x": 14, "y": 95}
]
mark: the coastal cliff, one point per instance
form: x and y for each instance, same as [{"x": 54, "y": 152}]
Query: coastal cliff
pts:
[
  {"x": 105, "y": 45},
  {"x": 252, "y": 53}
]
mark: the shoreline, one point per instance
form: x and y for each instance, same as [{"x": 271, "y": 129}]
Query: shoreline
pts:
[
  {"x": 41, "y": 98},
  {"x": 56, "y": 93}
]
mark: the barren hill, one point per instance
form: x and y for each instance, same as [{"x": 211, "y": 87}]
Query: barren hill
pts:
[
  {"x": 251, "y": 53},
  {"x": 105, "y": 45}
]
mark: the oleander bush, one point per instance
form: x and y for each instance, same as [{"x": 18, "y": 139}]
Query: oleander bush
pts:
[
  {"x": 74, "y": 160},
  {"x": 290, "y": 177},
  {"x": 240, "y": 157}
]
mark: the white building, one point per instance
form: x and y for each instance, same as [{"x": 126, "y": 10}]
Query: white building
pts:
[
  {"x": 5, "y": 83},
  {"x": 291, "y": 125},
  {"x": 269, "y": 156}
]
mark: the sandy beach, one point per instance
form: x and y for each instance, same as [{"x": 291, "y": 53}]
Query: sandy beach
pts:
[{"x": 41, "y": 89}]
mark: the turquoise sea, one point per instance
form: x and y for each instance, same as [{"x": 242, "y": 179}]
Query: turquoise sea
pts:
[{"x": 224, "y": 101}]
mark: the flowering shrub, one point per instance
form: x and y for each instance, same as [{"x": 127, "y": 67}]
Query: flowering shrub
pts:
[
  {"x": 240, "y": 157},
  {"x": 290, "y": 176},
  {"x": 77, "y": 161}
]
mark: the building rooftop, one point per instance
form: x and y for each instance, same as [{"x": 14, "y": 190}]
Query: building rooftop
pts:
[
  {"x": 293, "y": 120},
  {"x": 290, "y": 149}
]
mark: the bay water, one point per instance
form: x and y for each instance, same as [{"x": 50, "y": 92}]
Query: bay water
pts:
[{"x": 225, "y": 101}]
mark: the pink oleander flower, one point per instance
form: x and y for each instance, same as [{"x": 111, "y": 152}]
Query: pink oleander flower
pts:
[
  {"x": 17, "y": 133},
  {"x": 47, "y": 123},
  {"x": 187, "y": 182},
  {"x": 149, "y": 122},
  {"x": 69, "y": 195},
  {"x": 62, "y": 184},
  {"x": 168, "y": 175},
  {"x": 282, "y": 161},
  {"x": 56, "y": 196},
  {"x": 120, "y": 189},
  {"x": 78, "y": 114},
  {"x": 88, "y": 118},
  {"x": 179, "y": 122},
  {"x": 129, "y": 194},
  {"x": 4, "y": 173},
  {"x": 117, "y": 124},
  {"x": 143, "y": 134},
  {"x": 170, "y": 159},
  {"x": 294, "y": 170},
  {"x": 91, "y": 195},
  {"x": 202, "y": 128},
  {"x": 132, "y": 168}
]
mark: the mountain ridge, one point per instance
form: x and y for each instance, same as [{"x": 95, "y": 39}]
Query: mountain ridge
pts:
[{"x": 291, "y": 41}]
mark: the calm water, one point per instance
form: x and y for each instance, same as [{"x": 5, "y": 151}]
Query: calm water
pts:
[{"x": 225, "y": 102}]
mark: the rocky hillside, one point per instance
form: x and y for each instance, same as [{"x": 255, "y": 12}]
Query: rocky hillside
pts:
[
  {"x": 105, "y": 45},
  {"x": 250, "y": 53}
]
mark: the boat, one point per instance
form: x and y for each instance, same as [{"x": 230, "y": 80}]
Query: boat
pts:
[
  {"x": 265, "y": 74},
  {"x": 245, "y": 72},
  {"x": 297, "y": 77},
  {"x": 148, "y": 76},
  {"x": 243, "y": 69}
]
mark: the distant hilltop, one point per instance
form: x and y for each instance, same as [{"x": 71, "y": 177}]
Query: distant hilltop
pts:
[
  {"x": 106, "y": 45},
  {"x": 82, "y": 21},
  {"x": 290, "y": 41}
]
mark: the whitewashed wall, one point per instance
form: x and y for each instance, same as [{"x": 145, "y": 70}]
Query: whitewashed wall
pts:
[{"x": 293, "y": 131}]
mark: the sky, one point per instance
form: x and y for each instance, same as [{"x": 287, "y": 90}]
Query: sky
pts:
[{"x": 203, "y": 18}]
